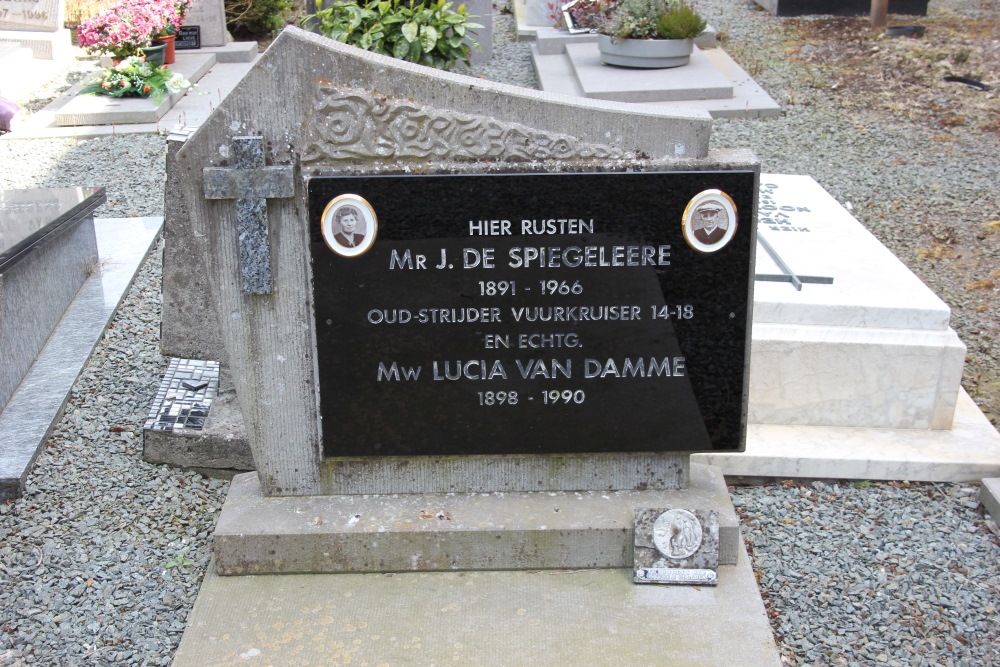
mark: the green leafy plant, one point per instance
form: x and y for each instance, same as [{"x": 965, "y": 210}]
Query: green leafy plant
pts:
[
  {"x": 179, "y": 561},
  {"x": 134, "y": 77},
  {"x": 428, "y": 32}
]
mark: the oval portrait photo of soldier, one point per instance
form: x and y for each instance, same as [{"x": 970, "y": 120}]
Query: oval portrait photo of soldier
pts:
[
  {"x": 709, "y": 221},
  {"x": 349, "y": 225}
]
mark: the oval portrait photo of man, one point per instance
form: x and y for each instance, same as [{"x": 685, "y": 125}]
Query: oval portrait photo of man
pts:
[
  {"x": 349, "y": 225},
  {"x": 709, "y": 221}
]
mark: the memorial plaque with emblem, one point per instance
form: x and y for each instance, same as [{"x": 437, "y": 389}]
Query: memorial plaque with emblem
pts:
[{"x": 532, "y": 313}]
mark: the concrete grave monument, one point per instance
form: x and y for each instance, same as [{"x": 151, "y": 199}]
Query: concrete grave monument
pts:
[
  {"x": 402, "y": 413},
  {"x": 36, "y": 24}
]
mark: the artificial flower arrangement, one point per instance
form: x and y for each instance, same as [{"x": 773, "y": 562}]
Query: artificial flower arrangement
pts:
[
  {"x": 588, "y": 15},
  {"x": 134, "y": 77},
  {"x": 651, "y": 19},
  {"x": 124, "y": 29}
]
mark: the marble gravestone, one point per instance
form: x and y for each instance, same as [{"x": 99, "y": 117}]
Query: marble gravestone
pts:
[
  {"x": 318, "y": 217},
  {"x": 860, "y": 341}
]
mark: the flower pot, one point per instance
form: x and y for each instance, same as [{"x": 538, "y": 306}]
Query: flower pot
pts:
[
  {"x": 645, "y": 53},
  {"x": 154, "y": 53},
  {"x": 168, "y": 53}
]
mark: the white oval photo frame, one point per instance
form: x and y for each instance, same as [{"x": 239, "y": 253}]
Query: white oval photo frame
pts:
[
  {"x": 687, "y": 221},
  {"x": 367, "y": 225}
]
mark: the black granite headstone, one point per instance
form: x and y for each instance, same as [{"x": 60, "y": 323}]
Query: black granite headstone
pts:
[{"x": 532, "y": 313}]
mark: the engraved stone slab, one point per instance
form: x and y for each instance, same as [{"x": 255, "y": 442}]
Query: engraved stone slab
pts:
[
  {"x": 35, "y": 15},
  {"x": 676, "y": 546},
  {"x": 210, "y": 17}
]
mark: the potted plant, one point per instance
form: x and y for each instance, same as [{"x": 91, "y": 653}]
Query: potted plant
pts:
[
  {"x": 649, "y": 34},
  {"x": 123, "y": 30},
  {"x": 174, "y": 13}
]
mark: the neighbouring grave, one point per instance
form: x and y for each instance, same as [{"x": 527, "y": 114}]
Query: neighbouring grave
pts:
[
  {"x": 47, "y": 249},
  {"x": 204, "y": 25},
  {"x": 37, "y": 25},
  {"x": 839, "y": 7},
  {"x": 858, "y": 340}
]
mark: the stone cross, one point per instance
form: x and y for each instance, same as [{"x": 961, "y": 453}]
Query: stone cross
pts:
[{"x": 251, "y": 184}]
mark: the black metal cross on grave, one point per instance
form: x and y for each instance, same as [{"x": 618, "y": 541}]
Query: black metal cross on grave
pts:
[
  {"x": 251, "y": 184},
  {"x": 786, "y": 275}
]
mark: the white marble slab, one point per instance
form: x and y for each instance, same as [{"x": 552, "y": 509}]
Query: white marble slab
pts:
[
  {"x": 968, "y": 452},
  {"x": 817, "y": 236},
  {"x": 873, "y": 349}
]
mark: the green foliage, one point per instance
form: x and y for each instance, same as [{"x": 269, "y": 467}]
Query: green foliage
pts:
[
  {"x": 428, "y": 32},
  {"x": 179, "y": 562},
  {"x": 653, "y": 19},
  {"x": 681, "y": 22},
  {"x": 257, "y": 17},
  {"x": 862, "y": 484}
]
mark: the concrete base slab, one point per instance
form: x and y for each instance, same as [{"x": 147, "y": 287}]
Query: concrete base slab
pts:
[
  {"x": 968, "y": 452},
  {"x": 516, "y": 619},
  {"x": 27, "y": 420},
  {"x": 698, "y": 80},
  {"x": 989, "y": 496},
  {"x": 45, "y": 45},
  {"x": 449, "y": 531},
  {"x": 555, "y": 74},
  {"x": 219, "y": 449},
  {"x": 233, "y": 52},
  {"x": 20, "y": 74},
  {"x": 104, "y": 110}
]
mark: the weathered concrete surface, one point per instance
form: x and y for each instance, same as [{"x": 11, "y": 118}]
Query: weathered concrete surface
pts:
[
  {"x": 478, "y": 619},
  {"x": 220, "y": 449},
  {"x": 189, "y": 325},
  {"x": 505, "y": 473},
  {"x": 448, "y": 531}
]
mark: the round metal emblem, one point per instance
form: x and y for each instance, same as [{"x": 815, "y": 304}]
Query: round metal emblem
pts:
[{"x": 677, "y": 534}]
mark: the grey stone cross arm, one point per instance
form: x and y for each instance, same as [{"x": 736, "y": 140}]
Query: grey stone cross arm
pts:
[{"x": 251, "y": 184}]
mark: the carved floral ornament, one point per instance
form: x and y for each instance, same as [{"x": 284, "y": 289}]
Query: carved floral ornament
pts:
[{"x": 347, "y": 125}]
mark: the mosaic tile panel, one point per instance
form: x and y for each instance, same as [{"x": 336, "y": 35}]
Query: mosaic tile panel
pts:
[{"x": 185, "y": 396}]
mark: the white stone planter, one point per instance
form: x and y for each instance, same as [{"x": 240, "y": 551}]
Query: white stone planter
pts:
[{"x": 645, "y": 53}]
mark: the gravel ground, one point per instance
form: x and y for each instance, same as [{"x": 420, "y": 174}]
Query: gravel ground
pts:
[{"x": 852, "y": 574}]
